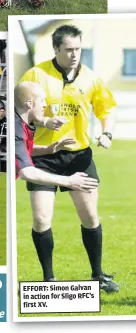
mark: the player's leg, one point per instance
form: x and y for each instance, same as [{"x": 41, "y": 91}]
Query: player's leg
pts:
[
  {"x": 42, "y": 203},
  {"x": 86, "y": 206}
]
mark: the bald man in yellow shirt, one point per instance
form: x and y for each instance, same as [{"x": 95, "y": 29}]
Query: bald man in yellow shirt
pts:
[{"x": 70, "y": 90}]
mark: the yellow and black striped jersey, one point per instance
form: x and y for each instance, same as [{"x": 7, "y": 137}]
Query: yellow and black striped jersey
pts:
[{"x": 71, "y": 100}]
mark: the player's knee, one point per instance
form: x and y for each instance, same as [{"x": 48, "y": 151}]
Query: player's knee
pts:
[
  {"x": 92, "y": 221},
  {"x": 41, "y": 223}
]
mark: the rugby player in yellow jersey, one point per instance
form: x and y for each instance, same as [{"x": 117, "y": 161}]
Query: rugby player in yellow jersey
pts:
[{"x": 70, "y": 90}]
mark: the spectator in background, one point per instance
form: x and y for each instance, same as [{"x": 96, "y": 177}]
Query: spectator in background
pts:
[
  {"x": 3, "y": 133},
  {"x": 3, "y": 126}
]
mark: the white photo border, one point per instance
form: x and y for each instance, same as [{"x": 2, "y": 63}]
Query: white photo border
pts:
[{"x": 121, "y": 6}]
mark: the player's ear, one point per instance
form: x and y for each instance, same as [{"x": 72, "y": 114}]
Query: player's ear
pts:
[
  {"x": 56, "y": 50},
  {"x": 29, "y": 104}
]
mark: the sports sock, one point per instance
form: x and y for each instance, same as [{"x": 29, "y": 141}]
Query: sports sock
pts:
[
  {"x": 44, "y": 244},
  {"x": 92, "y": 240}
]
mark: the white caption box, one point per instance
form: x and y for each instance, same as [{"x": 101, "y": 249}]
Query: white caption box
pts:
[{"x": 59, "y": 297}]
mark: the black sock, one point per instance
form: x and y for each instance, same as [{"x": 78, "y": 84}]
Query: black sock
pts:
[
  {"x": 44, "y": 244},
  {"x": 92, "y": 240}
]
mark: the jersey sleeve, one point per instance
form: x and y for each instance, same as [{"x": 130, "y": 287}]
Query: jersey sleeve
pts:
[
  {"x": 35, "y": 74},
  {"x": 22, "y": 156},
  {"x": 102, "y": 99}
]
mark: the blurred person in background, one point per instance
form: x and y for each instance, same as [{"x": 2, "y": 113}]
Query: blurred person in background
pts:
[
  {"x": 3, "y": 134},
  {"x": 3, "y": 125}
]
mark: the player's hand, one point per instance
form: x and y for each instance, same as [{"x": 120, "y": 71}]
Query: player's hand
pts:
[
  {"x": 104, "y": 141},
  {"x": 60, "y": 145},
  {"x": 56, "y": 122},
  {"x": 80, "y": 181}
]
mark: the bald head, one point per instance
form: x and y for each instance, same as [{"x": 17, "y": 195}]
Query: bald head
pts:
[
  {"x": 30, "y": 102},
  {"x": 25, "y": 92}
]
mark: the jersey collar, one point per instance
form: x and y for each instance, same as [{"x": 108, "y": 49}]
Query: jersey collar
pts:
[
  {"x": 31, "y": 125},
  {"x": 62, "y": 71}
]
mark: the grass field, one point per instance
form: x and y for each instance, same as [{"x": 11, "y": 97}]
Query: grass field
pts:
[
  {"x": 22, "y": 7},
  {"x": 117, "y": 202},
  {"x": 2, "y": 219}
]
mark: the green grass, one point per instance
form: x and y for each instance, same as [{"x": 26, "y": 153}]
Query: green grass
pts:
[
  {"x": 117, "y": 202},
  {"x": 2, "y": 219},
  {"x": 22, "y": 7}
]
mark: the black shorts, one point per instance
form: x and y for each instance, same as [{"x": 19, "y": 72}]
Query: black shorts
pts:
[{"x": 64, "y": 163}]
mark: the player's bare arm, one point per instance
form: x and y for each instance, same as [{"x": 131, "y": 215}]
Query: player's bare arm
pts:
[
  {"x": 53, "y": 148},
  {"x": 78, "y": 181},
  {"x": 105, "y": 140},
  {"x": 53, "y": 123}
]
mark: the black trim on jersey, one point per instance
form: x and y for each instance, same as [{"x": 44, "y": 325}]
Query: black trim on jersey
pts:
[
  {"x": 30, "y": 126},
  {"x": 62, "y": 71},
  {"x": 23, "y": 158}
]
